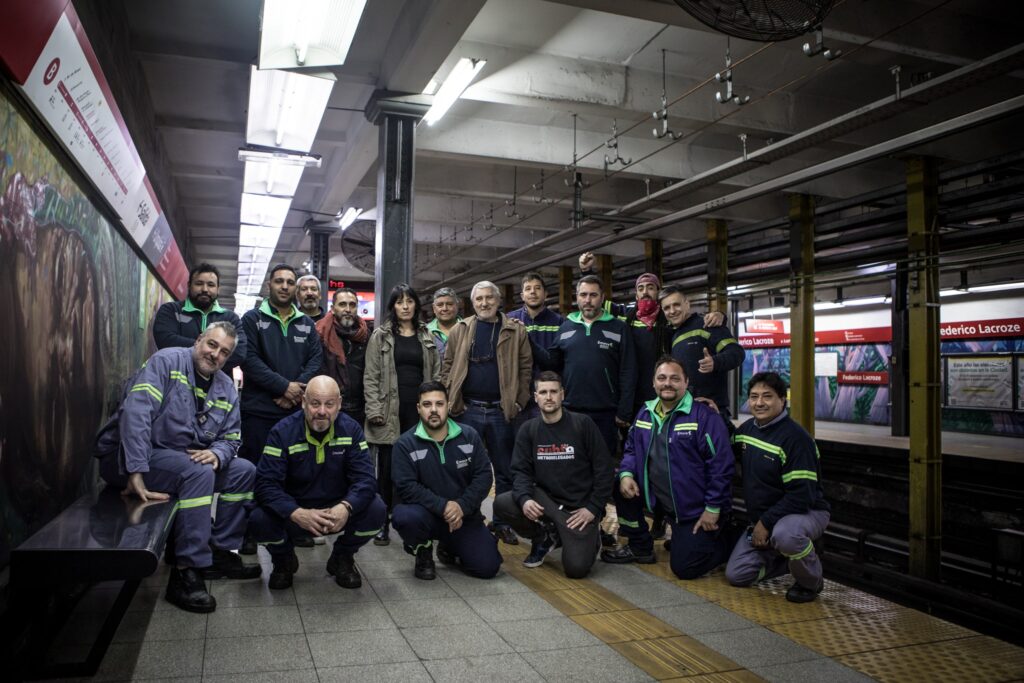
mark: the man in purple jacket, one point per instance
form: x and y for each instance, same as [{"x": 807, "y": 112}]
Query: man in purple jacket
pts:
[{"x": 678, "y": 460}]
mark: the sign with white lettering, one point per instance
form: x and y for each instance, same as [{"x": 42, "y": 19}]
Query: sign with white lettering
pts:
[{"x": 979, "y": 382}]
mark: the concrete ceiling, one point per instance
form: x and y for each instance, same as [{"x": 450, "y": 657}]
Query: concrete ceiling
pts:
[{"x": 546, "y": 61}]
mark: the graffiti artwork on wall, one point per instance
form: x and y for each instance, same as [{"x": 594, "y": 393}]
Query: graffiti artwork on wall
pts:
[{"x": 77, "y": 306}]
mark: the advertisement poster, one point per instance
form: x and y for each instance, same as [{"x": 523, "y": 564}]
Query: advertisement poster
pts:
[{"x": 980, "y": 382}]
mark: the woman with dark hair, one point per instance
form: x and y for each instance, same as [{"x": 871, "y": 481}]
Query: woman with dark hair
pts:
[{"x": 400, "y": 356}]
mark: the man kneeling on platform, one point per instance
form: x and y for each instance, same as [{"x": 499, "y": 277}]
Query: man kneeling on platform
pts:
[
  {"x": 562, "y": 478},
  {"x": 782, "y": 490},
  {"x": 315, "y": 477},
  {"x": 677, "y": 458},
  {"x": 442, "y": 475},
  {"x": 177, "y": 432}
]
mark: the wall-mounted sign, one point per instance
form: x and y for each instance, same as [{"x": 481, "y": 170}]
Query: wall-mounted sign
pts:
[
  {"x": 764, "y": 326},
  {"x": 881, "y": 378},
  {"x": 983, "y": 329},
  {"x": 979, "y": 382}
]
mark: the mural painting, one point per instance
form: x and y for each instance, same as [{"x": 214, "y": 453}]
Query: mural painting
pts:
[{"x": 78, "y": 307}]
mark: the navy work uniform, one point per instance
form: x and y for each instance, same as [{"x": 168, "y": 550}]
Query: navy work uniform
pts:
[
  {"x": 162, "y": 415},
  {"x": 299, "y": 470},
  {"x": 427, "y": 474}
]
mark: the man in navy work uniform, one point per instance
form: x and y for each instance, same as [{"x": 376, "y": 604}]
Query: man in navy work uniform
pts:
[
  {"x": 179, "y": 323},
  {"x": 442, "y": 474},
  {"x": 562, "y": 475},
  {"x": 284, "y": 353},
  {"x": 677, "y": 458},
  {"x": 176, "y": 433},
  {"x": 707, "y": 355},
  {"x": 316, "y": 478},
  {"x": 782, "y": 489},
  {"x": 541, "y": 327},
  {"x": 593, "y": 350}
]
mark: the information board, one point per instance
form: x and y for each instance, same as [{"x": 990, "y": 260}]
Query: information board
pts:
[{"x": 979, "y": 382}]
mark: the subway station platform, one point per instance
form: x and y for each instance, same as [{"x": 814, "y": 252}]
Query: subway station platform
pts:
[
  {"x": 985, "y": 446},
  {"x": 623, "y": 623}
]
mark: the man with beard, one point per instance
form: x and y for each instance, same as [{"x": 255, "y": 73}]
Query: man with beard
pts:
[
  {"x": 344, "y": 335},
  {"x": 307, "y": 296},
  {"x": 677, "y": 458},
  {"x": 593, "y": 350},
  {"x": 176, "y": 433},
  {"x": 284, "y": 353},
  {"x": 707, "y": 355},
  {"x": 442, "y": 474},
  {"x": 446, "y": 314},
  {"x": 541, "y": 326},
  {"x": 562, "y": 480},
  {"x": 316, "y": 477},
  {"x": 179, "y": 323},
  {"x": 486, "y": 369}
]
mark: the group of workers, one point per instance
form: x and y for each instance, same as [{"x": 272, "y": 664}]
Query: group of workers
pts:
[{"x": 623, "y": 404}]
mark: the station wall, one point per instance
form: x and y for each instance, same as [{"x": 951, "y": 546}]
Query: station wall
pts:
[{"x": 78, "y": 306}]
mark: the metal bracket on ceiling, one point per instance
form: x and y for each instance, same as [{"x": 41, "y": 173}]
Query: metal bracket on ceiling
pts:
[
  {"x": 818, "y": 47},
  {"x": 613, "y": 145},
  {"x": 895, "y": 70},
  {"x": 725, "y": 77},
  {"x": 538, "y": 187},
  {"x": 743, "y": 141},
  {"x": 662, "y": 114},
  {"x": 510, "y": 204}
]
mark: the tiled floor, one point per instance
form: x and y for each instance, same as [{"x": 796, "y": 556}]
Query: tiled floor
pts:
[{"x": 624, "y": 623}]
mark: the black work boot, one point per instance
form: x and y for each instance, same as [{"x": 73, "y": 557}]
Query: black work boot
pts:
[
  {"x": 425, "y": 568},
  {"x": 383, "y": 536},
  {"x": 625, "y": 554},
  {"x": 187, "y": 590},
  {"x": 248, "y": 545},
  {"x": 285, "y": 567},
  {"x": 342, "y": 567},
  {"x": 228, "y": 565}
]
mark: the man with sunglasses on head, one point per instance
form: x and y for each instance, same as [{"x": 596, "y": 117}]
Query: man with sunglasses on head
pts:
[{"x": 486, "y": 369}]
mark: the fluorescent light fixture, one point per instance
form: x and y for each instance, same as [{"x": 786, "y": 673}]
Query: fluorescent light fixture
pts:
[
  {"x": 257, "y": 255},
  {"x": 867, "y": 301},
  {"x": 431, "y": 88},
  {"x": 1002, "y": 287},
  {"x": 271, "y": 177},
  {"x": 282, "y": 158},
  {"x": 307, "y": 33},
  {"x": 245, "y": 302},
  {"x": 258, "y": 236},
  {"x": 349, "y": 217},
  {"x": 285, "y": 108},
  {"x": 261, "y": 209},
  {"x": 826, "y": 305},
  {"x": 458, "y": 80},
  {"x": 780, "y": 310}
]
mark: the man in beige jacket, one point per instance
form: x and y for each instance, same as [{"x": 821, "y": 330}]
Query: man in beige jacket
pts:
[{"x": 487, "y": 365}]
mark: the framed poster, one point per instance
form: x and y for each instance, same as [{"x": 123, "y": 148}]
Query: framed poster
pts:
[{"x": 979, "y": 382}]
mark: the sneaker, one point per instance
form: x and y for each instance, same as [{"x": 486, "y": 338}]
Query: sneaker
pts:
[
  {"x": 446, "y": 556},
  {"x": 625, "y": 555},
  {"x": 342, "y": 567},
  {"x": 425, "y": 568},
  {"x": 285, "y": 567},
  {"x": 228, "y": 565},
  {"x": 798, "y": 593},
  {"x": 383, "y": 536},
  {"x": 303, "y": 541},
  {"x": 505, "y": 534},
  {"x": 540, "y": 549},
  {"x": 187, "y": 590}
]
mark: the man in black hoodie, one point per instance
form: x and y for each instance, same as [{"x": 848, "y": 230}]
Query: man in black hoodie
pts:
[{"x": 562, "y": 479}]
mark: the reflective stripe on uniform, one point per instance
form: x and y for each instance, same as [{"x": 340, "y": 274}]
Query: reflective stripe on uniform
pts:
[
  {"x": 236, "y": 497},
  {"x": 270, "y": 450},
  {"x": 799, "y": 474},
  {"x": 763, "y": 445},
  {"x": 149, "y": 389},
  {"x": 186, "y": 503}
]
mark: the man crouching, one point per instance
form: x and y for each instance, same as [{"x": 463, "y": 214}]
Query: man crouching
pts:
[{"x": 315, "y": 477}]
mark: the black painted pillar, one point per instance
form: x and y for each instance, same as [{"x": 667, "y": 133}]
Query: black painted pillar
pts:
[
  {"x": 899, "y": 363},
  {"x": 396, "y": 116}
]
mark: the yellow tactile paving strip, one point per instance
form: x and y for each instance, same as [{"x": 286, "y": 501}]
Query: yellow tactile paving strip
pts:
[
  {"x": 649, "y": 643},
  {"x": 869, "y": 634}
]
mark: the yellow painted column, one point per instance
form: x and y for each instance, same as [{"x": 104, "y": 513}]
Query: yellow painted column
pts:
[
  {"x": 653, "y": 255},
  {"x": 604, "y": 271},
  {"x": 801, "y": 310},
  {"x": 566, "y": 295},
  {"x": 718, "y": 264},
  {"x": 925, "y": 398}
]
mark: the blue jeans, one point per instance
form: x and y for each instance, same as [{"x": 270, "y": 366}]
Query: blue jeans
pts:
[{"x": 499, "y": 437}]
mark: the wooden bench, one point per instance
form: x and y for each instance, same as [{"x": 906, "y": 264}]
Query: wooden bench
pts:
[{"x": 103, "y": 536}]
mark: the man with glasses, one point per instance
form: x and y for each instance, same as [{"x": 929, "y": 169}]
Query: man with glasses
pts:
[{"x": 487, "y": 366}]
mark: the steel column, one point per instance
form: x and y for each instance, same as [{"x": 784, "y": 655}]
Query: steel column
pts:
[
  {"x": 396, "y": 116},
  {"x": 566, "y": 295},
  {"x": 653, "y": 257},
  {"x": 925, "y": 406},
  {"x": 801, "y": 310},
  {"x": 718, "y": 264},
  {"x": 899, "y": 365}
]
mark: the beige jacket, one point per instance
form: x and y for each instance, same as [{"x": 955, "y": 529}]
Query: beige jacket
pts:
[
  {"x": 515, "y": 364},
  {"x": 380, "y": 380}
]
